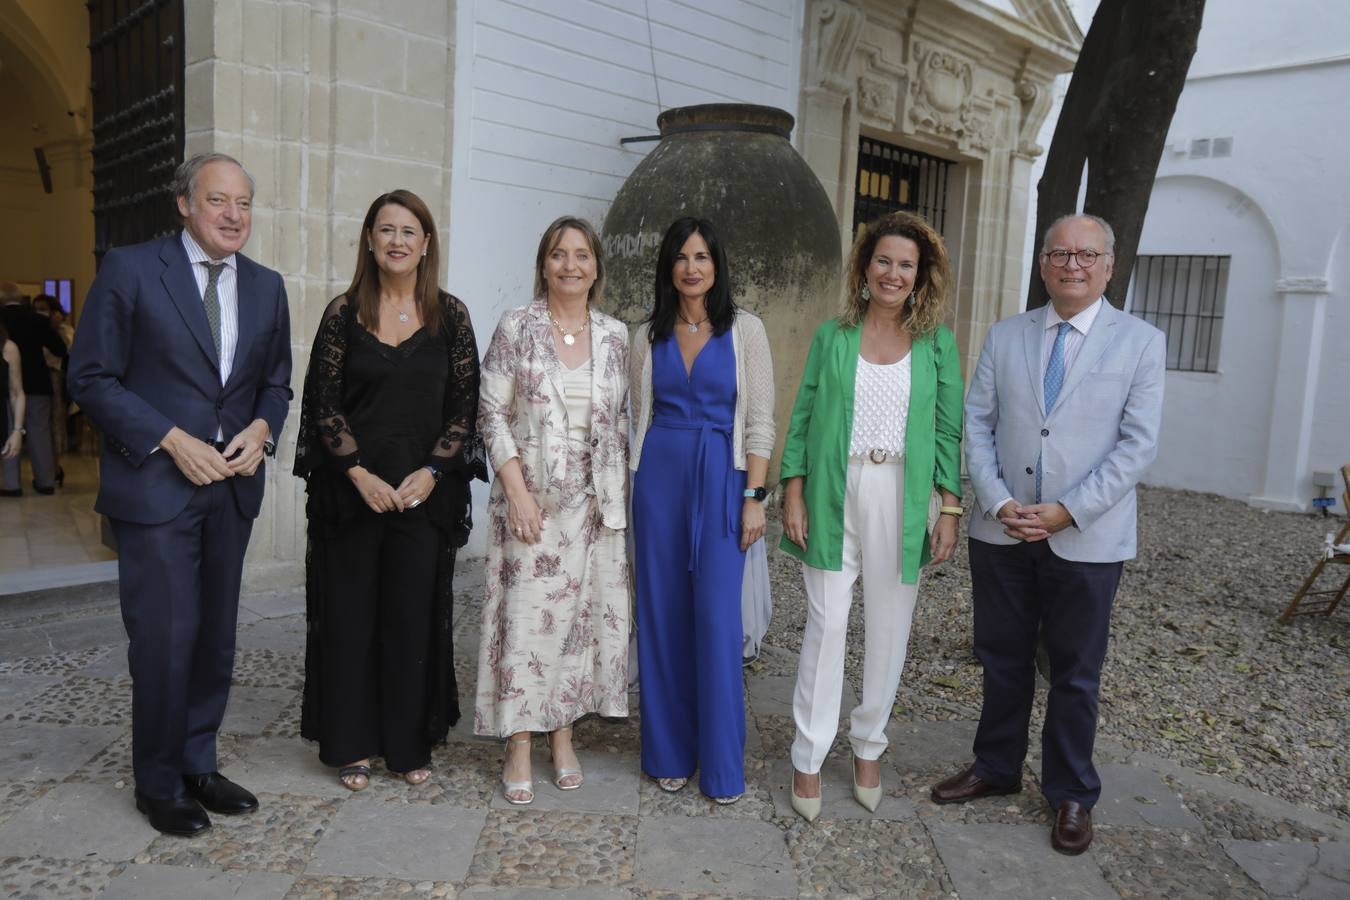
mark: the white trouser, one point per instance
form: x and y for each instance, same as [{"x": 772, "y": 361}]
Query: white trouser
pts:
[{"x": 873, "y": 515}]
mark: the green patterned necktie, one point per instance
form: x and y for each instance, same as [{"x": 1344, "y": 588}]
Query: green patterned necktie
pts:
[{"x": 211, "y": 300}]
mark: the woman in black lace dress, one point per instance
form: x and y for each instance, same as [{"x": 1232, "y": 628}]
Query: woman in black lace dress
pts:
[{"x": 387, "y": 448}]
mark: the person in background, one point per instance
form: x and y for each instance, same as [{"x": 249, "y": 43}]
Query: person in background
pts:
[
  {"x": 32, "y": 334},
  {"x": 46, "y": 305},
  {"x": 12, "y": 406}
]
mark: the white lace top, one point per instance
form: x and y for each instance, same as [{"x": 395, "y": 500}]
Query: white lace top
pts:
[
  {"x": 880, "y": 407},
  {"x": 576, "y": 385}
]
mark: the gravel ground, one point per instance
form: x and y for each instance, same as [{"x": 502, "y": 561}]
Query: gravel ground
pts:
[{"x": 1197, "y": 671}]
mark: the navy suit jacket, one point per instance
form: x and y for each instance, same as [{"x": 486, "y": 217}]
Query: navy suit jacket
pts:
[{"x": 143, "y": 361}]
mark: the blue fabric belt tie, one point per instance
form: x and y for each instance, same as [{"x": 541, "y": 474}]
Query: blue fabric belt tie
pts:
[{"x": 701, "y": 463}]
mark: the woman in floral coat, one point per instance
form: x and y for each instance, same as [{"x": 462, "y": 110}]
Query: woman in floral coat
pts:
[{"x": 554, "y": 416}]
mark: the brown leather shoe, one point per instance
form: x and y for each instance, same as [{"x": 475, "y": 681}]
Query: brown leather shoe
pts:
[
  {"x": 1073, "y": 828},
  {"x": 969, "y": 786}
]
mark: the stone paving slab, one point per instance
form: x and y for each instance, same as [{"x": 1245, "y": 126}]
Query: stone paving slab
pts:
[
  {"x": 836, "y": 791},
  {"x": 1294, "y": 869},
  {"x": 1015, "y": 861},
  {"x": 714, "y": 856},
  {"x": 382, "y": 838},
  {"x": 78, "y": 821},
  {"x": 771, "y": 695},
  {"x": 36, "y": 751},
  {"x": 590, "y": 893},
  {"x": 274, "y": 604},
  {"x": 610, "y": 785},
  {"x": 64, "y": 636},
  {"x": 152, "y": 882},
  {"x": 251, "y": 709},
  {"x": 279, "y": 836},
  {"x": 933, "y": 748},
  {"x": 1134, "y": 796},
  {"x": 287, "y": 766},
  {"x": 285, "y": 635}
]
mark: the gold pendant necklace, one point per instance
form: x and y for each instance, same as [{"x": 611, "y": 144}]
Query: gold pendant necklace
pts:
[{"x": 570, "y": 337}]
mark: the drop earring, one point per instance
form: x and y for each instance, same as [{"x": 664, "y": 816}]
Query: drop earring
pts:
[{"x": 866, "y": 293}]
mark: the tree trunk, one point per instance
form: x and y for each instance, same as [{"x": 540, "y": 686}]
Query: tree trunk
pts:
[{"x": 1115, "y": 117}]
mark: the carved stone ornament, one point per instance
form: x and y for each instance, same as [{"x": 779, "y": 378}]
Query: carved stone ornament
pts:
[
  {"x": 942, "y": 99},
  {"x": 877, "y": 100},
  {"x": 835, "y": 26}
]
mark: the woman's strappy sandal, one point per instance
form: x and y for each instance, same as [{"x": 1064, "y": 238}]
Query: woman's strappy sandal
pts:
[
  {"x": 355, "y": 777},
  {"x": 671, "y": 785},
  {"x": 563, "y": 772},
  {"x": 517, "y": 787}
]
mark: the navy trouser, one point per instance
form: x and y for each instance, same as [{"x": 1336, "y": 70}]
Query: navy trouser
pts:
[
  {"x": 1021, "y": 592},
  {"x": 179, "y": 584}
]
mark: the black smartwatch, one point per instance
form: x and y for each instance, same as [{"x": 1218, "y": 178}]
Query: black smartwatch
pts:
[{"x": 757, "y": 494}]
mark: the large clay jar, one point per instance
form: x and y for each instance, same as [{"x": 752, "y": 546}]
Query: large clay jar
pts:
[{"x": 732, "y": 164}]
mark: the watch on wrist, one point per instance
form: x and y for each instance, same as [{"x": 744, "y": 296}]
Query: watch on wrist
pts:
[{"x": 757, "y": 494}]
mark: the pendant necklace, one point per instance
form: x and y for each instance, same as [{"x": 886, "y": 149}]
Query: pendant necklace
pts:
[
  {"x": 570, "y": 337},
  {"x": 402, "y": 316},
  {"x": 693, "y": 326}
]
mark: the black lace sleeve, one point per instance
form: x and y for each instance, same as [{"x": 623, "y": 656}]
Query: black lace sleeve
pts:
[
  {"x": 459, "y": 447},
  {"x": 324, "y": 435}
]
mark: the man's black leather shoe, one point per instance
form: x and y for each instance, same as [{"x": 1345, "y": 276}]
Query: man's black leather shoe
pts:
[
  {"x": 219, "y": 794},
  {"x": 180, "y": 816}
]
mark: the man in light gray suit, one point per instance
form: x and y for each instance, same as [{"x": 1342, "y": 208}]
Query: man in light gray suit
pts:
[{"x": 1062, "y": 421}]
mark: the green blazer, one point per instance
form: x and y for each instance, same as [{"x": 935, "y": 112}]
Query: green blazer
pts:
[{"x": 822, "y": 426}]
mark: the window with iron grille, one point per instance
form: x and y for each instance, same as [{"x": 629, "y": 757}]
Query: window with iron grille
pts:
[
  {"x": 891, "y": 178},
  {"x": 1184, "y": 297}
]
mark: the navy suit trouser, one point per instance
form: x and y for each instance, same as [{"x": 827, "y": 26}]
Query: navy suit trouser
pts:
[
  {"x": 1023, "y": 592},
  {"x": 179, "y": 584}
]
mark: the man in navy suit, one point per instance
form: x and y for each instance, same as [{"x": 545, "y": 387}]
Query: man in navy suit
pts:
[
  {"x": 183, "y": 360},
  {"x": 1062, "y": 420}
]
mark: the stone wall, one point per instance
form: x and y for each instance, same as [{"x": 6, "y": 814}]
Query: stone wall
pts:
[{"x": 328, "y": 104}]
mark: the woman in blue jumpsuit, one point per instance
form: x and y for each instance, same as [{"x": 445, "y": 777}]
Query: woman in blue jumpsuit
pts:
[{"x": 702, "y": 386}]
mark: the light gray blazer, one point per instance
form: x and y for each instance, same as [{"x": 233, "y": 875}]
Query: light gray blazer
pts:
[{"x": 1095, "y": 444}]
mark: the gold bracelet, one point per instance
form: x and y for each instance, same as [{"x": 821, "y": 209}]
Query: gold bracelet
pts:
[{"x": 951, "y": 510}]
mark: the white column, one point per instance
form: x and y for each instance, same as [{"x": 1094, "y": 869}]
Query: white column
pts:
[{"x": 1288, "y": 477}]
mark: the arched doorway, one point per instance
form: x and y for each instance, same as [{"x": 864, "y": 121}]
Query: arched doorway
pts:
[{"x": 46, "y": 245}]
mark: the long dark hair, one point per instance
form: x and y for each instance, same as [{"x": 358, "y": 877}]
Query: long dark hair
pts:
[
  {"x": 721, "y": 311},
  {"x": 364, "y": 291}
]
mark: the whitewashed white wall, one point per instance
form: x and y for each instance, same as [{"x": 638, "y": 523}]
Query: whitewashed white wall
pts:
[
  {"x": 1278, "y": 409},
  {"x": 545, "y": 89}
]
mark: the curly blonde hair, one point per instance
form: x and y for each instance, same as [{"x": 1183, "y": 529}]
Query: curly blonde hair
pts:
[{"x": 927, "y": 307}]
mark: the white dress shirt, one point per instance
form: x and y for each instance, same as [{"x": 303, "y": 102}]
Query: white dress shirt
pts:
[
  {"x": 227, "y": 291},
  {"x": 1073, "y": 342}
]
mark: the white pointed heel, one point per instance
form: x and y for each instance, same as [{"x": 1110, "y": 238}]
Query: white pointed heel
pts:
[
  {"x": 869, "y": 798},
  {"x": 806, "y": 807}
]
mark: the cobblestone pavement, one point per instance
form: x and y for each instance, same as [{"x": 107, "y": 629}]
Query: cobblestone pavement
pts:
[{"x": 68, "y": 827}]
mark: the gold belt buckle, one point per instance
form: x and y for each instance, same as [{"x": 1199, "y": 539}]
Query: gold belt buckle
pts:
[{"x": 872, "y": 455}]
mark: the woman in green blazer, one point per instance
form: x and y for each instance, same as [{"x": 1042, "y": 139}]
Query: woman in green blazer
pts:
[{"x": 875, "y": 430}]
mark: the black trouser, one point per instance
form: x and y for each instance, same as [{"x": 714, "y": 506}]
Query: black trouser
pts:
[
  {"x": 1021, "y": 592},
  {"x": 179, "y": 584},
  {"x": 380, "y": 576}
]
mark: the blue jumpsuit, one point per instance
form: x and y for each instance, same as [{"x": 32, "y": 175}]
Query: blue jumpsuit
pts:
[{"x": 687, "y": 498}]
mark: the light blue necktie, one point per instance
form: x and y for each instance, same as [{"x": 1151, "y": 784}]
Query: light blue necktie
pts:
[{"x": 1054, "y": 380}]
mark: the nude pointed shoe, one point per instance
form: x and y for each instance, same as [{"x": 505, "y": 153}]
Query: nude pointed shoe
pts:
[
  {"x": 869, "y": 798},
  {"x": 806, "y": 807}
]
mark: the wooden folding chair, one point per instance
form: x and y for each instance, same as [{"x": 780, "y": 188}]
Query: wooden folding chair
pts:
[{"x": 1330, "y": 598}]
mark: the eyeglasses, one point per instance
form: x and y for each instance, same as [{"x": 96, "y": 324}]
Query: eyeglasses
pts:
[{"x": 1086, "y": 258}]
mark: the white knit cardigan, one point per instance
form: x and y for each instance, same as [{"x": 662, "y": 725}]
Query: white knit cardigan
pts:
[{"x": 753, "y": 431}]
